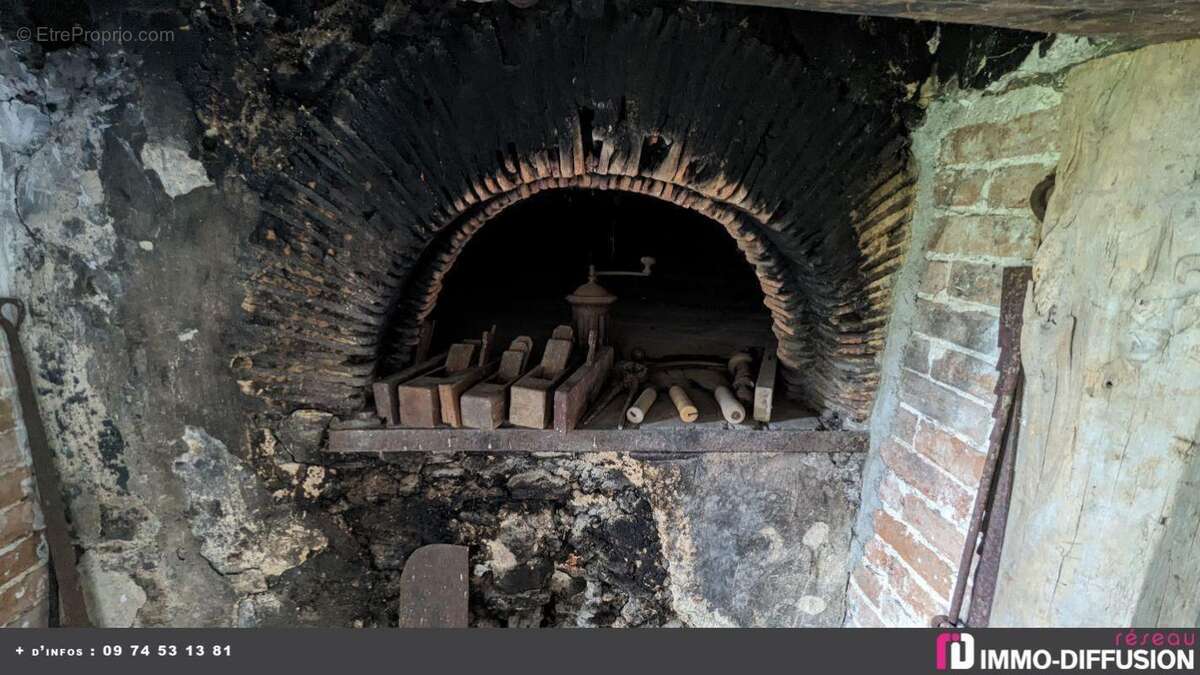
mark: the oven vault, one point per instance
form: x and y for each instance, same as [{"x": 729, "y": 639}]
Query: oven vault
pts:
[{"x": 423, "y": 147}]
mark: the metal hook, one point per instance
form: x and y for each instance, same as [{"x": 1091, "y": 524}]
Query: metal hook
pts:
[{"x": 18, "y": 307}]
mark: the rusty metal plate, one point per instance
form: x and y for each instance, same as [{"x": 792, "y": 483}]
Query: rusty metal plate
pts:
[{"x": 434, "y": 589}]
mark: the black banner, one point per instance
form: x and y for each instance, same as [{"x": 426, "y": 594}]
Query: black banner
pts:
[{"x": 567, "y": 652}]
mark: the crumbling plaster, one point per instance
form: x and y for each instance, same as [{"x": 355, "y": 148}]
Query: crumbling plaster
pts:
[{"x": 126, "y": 269}]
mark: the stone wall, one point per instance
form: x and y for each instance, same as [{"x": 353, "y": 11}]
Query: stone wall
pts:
[
  {"x": 1106, "y": 504},
  {"x": 980, "y": 156},
  {"x": 23, "y": 571},
  {"x": 125, "y": 263}
]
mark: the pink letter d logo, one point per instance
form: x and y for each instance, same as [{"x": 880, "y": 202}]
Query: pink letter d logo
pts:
[{"x": 955, "y": 651}]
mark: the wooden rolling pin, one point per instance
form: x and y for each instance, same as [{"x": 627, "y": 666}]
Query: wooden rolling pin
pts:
[
  {"x": 673, "y": 381},
  {"x": 683, "y": 404},
  {"x": 637, "y": 411},
  {"x": 731, "y": 409}
]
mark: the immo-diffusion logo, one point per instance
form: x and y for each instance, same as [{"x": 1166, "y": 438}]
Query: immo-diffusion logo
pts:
[
  {"x": 955, "y": 651},
  {"x": 1132, "y": 650}
]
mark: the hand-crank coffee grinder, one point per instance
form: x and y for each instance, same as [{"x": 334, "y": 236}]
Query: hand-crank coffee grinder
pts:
[{"x": 590, "y": 303}]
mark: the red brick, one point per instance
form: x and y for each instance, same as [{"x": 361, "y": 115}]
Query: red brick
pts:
[
  {"x": 868, "y": 583},
  {"x": 945, "y": 537},
  {"x": 1032, "y": 134},
  {"x": 971, "y": 329},
  {"x": 952, "y": 410},
  {"x": 950, "y": 453},
  {"x": 916, "y": 354},
  {"x": 904, "y": 426},
  {"x": 936, "y": 277},
  {"x": 908, "y": 598},
  {"x": 10, "y": 453},
  {"x": 11, "y": 491},
  {"x": 1006, "y": 237},
  {"x": 966, "y": 373},
  {"x": 921, "y": 476},
  {"x": 16, "y": 560},
  {"x": 958, "y": 188},
  {"x": 16, "y": 522},
  {"x": 7, "y": 421},
  {"x": 1012, "y": 186},
  {"x": 861, "y": 611},
  {"x": 976, "y": 283},
  {"x": 22, "y": 595},
  {"x": 37, "y": 617},
  {"x": 920, "y": 557}
]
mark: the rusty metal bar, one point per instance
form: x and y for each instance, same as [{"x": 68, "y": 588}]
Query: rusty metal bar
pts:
[
  {"x": 1012, "y": 305},
  {"x": 669, "y": 440},
  {"x": 983, "y": 590}
]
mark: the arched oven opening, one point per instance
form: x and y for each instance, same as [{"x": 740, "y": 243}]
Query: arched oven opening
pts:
[
  {"x": 664, "y": 286},
  {"x": 699, "y": 295}
]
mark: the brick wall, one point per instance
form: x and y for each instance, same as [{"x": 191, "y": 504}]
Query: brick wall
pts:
[
  {"x": 23, "y": 571},
  {"x": 983, "y": 161}
]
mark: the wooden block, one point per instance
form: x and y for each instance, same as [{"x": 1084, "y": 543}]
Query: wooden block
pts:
[
  {"x": 420, "y": 405},
  {"x": 764, "y": 387},
  {"x": 387, "y": 400},
  {"x": 530, "y": 400},
  {"x": 485, "y": 406},
  {"x": 580, "y": 389},
  {"x": 451, "y": 388},
  {"x": 434, "y": 589},
  {"x": 556, "y": 356},
  {"x": 512, "y": 364},
  {"x": 486, "y": 342},
  {"x": 459, "y": 357},
  {"x": 523, "y": 343}
]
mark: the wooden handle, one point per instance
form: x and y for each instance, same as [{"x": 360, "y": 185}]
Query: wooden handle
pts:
[
  {"x": 637, "y": 412},
  {"x": 683, "y": 404},
  {"x": 733, "y": 411}
]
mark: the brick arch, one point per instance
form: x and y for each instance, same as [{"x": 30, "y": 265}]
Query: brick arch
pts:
[
  {"x": 424, "y": 145},
  {"x": 420, "y": 295}
]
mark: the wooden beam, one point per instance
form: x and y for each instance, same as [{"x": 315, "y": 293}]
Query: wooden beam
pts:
[
  {"x": 1149, "y": 20},
  {"x": 687, "y": 440}
]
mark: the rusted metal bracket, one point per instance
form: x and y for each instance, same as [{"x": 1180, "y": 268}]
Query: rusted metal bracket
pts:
[
  {"x": 990, "y": 513},
  {"x": 72, "y": 606}
]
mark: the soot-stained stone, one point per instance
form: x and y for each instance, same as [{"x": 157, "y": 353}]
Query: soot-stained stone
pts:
[
  {"x": 302, "y": 433},
  {"x": 538, "y": 484},
  {"x": 579, "y": 547},
  {"x": 112, "y": 449}
]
